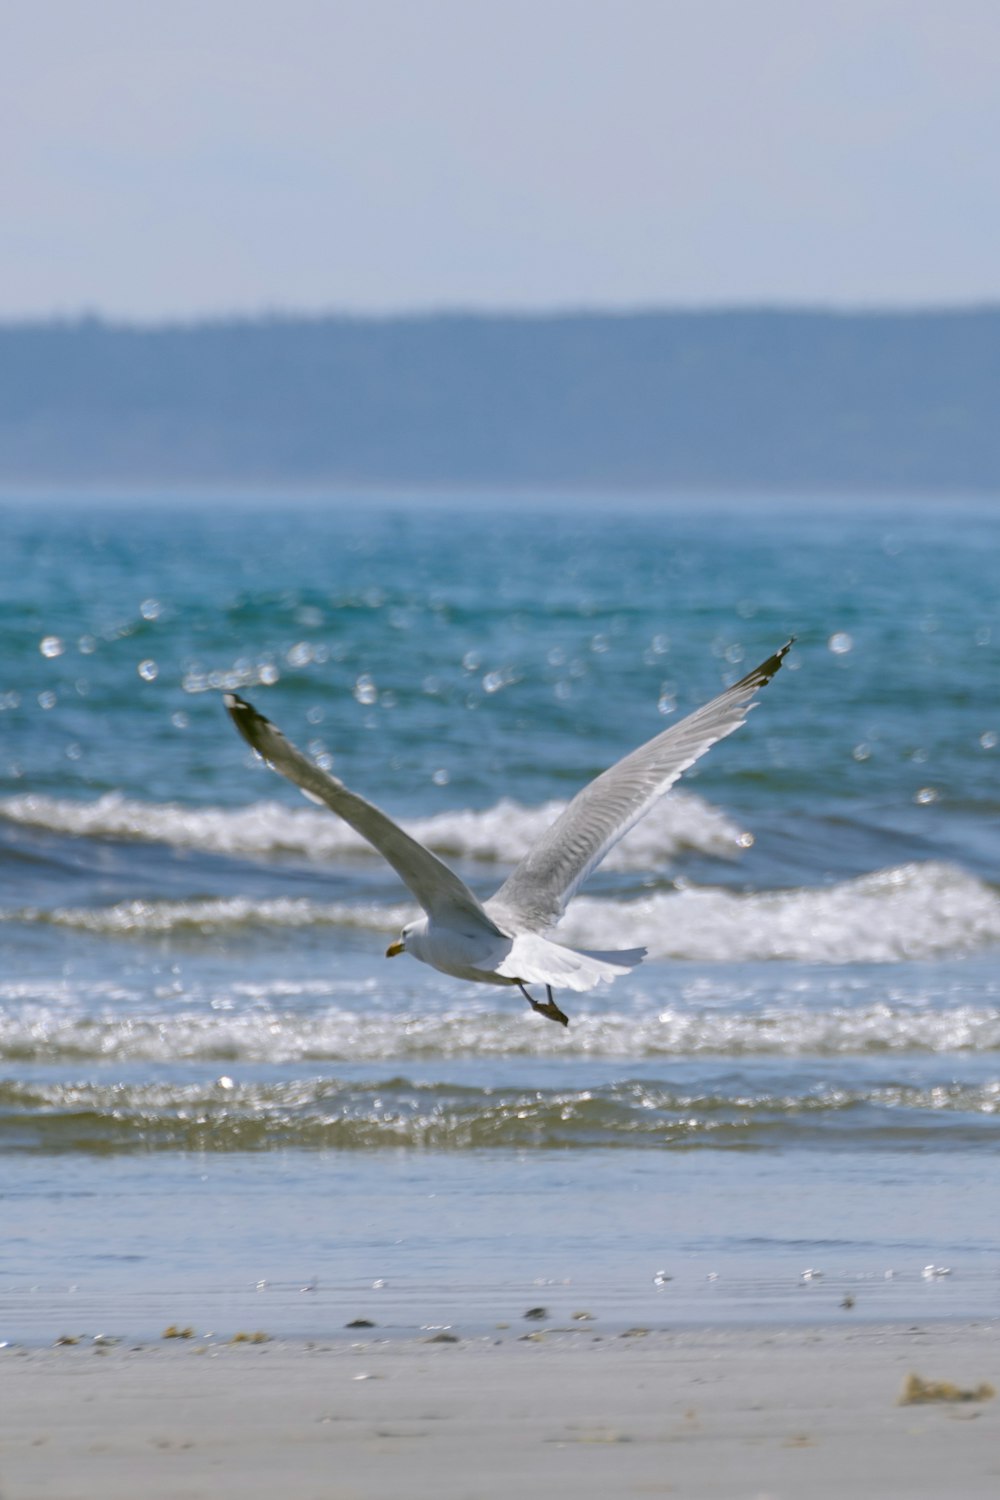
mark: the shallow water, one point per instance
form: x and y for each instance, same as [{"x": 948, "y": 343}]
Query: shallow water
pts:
[
  {"x": 191, "y": 972},
  {"x": 300, "y": 1243}
]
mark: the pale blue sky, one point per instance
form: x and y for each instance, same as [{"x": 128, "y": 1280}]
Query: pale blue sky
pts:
[{"x": 216, "y": 156}]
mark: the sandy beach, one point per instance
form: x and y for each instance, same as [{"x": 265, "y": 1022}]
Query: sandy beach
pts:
[{"x": 717, "y": 1413}]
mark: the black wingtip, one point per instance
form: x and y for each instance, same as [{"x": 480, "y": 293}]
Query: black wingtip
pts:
[
  {"x": 246, "y": 718},
  {"x": 240, "y": 711},
  {"x": 761, "y": 676}
]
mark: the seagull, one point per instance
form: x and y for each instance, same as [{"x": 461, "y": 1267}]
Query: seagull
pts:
[{"x": 502, "y": 940}]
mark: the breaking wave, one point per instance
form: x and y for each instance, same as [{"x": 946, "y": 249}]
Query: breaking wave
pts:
[
  {"x": 501, "y": 834},
  {"x": 911, "y": 911},
  {"x": 329, "y": 1113},
  {"x": 280, "y": 1022}
]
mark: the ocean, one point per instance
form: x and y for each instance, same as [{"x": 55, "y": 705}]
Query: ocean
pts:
[{"x": 219, "y": 1103}]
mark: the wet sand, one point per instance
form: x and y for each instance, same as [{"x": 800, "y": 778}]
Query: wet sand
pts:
[{"x": 719, "y": 1413}]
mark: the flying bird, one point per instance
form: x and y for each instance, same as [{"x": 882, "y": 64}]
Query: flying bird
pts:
[{"x": 502, "y": 940}]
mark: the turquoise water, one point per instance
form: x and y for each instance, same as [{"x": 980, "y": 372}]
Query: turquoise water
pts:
[{"x": 191, "y": 972}]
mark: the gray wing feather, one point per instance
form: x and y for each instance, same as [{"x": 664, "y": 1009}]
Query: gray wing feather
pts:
[
  {"x": 536, "y": 894},
  {"x": 438, "y": 889}
]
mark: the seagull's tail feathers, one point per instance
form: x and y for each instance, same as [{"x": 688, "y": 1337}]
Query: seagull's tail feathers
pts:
[
  {"x": 536, "y": 960},
  {"x": 619, "y": 959}
]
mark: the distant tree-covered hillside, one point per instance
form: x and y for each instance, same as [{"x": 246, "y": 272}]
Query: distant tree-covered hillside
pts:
[{"x": 720, "y": 399}]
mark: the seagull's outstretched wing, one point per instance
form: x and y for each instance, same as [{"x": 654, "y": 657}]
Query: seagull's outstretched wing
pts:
[
  {"x": 535, "y": 895},
  {"x": 438, "y": 889}
]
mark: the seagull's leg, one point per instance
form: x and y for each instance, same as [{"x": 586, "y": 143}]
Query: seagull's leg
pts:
[
  {"x": 533, "y": 1003},
  {"x": 552, "y": 1008},
  {"x": 549, "y": 1009}
]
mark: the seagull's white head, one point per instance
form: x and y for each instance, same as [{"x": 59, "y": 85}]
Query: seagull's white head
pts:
[{"x": 399, "y": 946}]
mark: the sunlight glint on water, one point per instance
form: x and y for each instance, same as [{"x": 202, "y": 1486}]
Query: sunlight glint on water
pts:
[{"x": 192, "y": 958}]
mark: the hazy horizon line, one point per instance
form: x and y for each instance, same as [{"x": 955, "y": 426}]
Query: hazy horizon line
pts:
[{"x": 88, "y": 317}]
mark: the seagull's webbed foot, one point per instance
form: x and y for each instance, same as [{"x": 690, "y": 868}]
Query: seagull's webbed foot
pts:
[{"x": 549, "y": 1008}]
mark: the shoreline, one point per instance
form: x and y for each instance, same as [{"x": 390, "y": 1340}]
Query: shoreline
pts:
[{"x": 716, "y": 1412}]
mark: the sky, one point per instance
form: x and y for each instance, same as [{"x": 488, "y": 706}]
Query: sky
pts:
[{"x": 217, "y": 157}]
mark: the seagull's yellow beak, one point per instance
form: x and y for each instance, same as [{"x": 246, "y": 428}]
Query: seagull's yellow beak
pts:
[{"x": 394, "y": 948}]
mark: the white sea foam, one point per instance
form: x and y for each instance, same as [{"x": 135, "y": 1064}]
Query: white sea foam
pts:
[
  {"x": 913, "y": 911},
  {"x": 910, "y": 911},
  {"x": 301, "y": 1021},
  {"x": 500, "y": 834},
  {"x": 211, "y": 914}
]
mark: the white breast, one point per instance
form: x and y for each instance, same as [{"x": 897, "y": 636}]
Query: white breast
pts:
[{"x": 463, "y": 951}]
